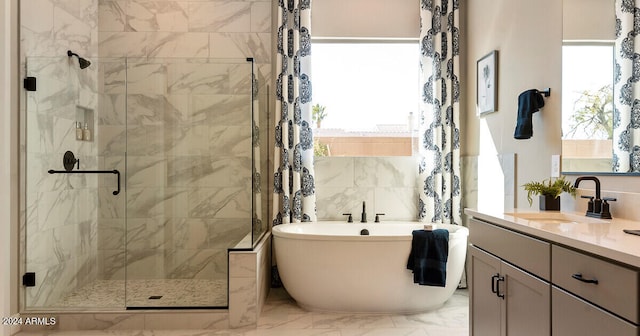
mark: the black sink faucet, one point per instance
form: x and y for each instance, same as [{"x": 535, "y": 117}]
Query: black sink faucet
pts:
[
  {"x": 363, "y": 219},
  {"x": 595, "y": 207},
  {"x": 590, "y": 178}
]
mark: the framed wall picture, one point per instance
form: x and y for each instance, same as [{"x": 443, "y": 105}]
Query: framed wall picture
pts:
[{"x": 487, "y": 83}]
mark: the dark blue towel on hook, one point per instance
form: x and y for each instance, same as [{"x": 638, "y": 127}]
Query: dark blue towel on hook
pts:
[
  {"x": 529, "y": 101},
  {"x": 428, "y": 257}
]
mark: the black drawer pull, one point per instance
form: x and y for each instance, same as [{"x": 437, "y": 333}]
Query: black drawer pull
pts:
[
  {"x": 498, "y": 288},
  {"x": 578, "y": 276},
  {"x": 494, "y": 290}
]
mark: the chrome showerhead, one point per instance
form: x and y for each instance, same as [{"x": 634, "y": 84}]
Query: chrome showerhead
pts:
[{"x": 81, "y": 61}]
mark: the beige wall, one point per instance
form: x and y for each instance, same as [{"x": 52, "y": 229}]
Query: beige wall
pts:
[
  {"x": 8, "y": 157},
  {"x": 528, "y": 36}
]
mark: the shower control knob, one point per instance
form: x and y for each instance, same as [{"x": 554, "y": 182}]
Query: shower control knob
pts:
[{"x": 69, "y": 160}]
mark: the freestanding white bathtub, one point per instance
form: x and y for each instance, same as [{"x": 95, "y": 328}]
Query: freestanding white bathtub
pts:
[{"x": 329, "y": 266}]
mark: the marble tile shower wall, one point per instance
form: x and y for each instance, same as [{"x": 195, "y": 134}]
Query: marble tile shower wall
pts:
[
  {"x": 61, "y": 209},
  {"x": 51, "y": 27},
  {"x": 216, "y": 29},
  {"x": 387, "y": 184},
  {"x": 59, "y": 214},
  {"x": 188, "y": 132},
  {"x": 189, "y": 173}
]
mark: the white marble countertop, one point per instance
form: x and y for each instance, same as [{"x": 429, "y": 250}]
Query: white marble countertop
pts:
[{"x": 600, "y": 237}]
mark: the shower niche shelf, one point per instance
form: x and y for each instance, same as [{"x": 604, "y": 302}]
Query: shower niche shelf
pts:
[{"x": 84, "y": 123}]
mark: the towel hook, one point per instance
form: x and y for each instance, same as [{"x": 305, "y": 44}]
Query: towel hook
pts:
[{"x": 546, "y": 92}]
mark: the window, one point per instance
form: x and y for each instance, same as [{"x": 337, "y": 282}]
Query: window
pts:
[{"x": 370, "y": 92}]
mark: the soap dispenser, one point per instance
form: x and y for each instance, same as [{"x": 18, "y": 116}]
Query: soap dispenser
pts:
[
  {"x": 79, "y": 133},
  {"x": 86, "y": 132}
]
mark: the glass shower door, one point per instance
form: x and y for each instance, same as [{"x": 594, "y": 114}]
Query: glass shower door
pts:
[
  {"x": 73, "y": 224},
  {"x": 189, "y": 178},
  {"x": 180, "y": 133}
]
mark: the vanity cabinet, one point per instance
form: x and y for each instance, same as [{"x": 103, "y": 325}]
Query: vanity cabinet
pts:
[
  {"x": 592, "y": 296},
  {"x": 506, "y": 299},
  {"x": 523, "y": 285},
  {"x": 574, "y": 316}
]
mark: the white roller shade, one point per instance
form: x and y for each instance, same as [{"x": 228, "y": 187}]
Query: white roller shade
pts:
[{"x": 365, "y": 18}]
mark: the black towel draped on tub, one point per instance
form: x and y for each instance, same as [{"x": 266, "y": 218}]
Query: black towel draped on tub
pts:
[
  {"x": 428, "y": 257},
  {"x": 529, "y": 101}
]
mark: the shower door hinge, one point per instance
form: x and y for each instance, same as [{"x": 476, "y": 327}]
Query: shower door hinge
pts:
[
  {"x": 29, "y": 279},
  {"x": 30, "y": 83}
]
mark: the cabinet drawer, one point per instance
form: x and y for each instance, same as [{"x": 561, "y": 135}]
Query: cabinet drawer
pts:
[
  {"x": 573, "y": 316},
  {"x": 530, "y": 254},
  {"x": 616, "y": 289}
]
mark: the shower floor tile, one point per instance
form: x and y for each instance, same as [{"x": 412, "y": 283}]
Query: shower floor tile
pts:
[{"x": 139, "y": 293}]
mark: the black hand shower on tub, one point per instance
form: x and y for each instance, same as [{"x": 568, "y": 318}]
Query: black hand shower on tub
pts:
[{"x": 81, "y": 61}]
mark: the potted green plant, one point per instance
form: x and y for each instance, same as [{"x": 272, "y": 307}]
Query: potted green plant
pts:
[
  {"x": 549, "y": 192},
  {"x": 318, "y": 113}
]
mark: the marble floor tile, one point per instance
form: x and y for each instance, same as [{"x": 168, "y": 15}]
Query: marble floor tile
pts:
[
  {"x": 349, "y": 321},
  {"x": 417, "y": 331},
  {"x": 282, "y": 317}
]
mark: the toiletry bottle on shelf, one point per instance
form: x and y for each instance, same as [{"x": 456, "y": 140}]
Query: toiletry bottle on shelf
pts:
[
  {"x": 86, "y": 132},
  {"x": 79, "y": 135}
]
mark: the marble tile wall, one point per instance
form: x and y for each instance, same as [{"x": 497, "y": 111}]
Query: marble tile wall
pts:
[
  {"x": 189, "y": 175},
  {"x": 205, "y": 134},
  {"x": 51, "y": 27},
  {"x": 61, "y": 222},
  {"x": 111, "y": 123},
  {"x": 386, "y": 184},
  {"x": 249, "y": 283},
  {"x": 469, "y": 183},
  {"x": 188, "y": 132},
  {"x": 625, "y": 206},
  {"x": 216, "y": 29}
]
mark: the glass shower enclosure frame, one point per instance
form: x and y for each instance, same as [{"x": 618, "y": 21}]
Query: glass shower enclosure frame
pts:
[{"x": 184, "y": 136}]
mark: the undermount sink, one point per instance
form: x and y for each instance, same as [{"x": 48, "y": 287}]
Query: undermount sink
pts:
[{"x": 554, "y": 217}]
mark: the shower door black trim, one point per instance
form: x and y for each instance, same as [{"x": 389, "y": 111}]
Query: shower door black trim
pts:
[{"x": 176, "y": 308}]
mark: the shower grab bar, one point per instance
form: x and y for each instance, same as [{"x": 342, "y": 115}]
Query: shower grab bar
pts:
[{"x": 115, "y": 171}]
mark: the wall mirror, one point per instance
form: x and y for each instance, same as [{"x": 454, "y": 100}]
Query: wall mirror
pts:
[{"x": 599, "y": 133}]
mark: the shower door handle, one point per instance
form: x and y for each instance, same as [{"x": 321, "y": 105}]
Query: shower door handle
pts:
[{"x": 115, "y": 171}]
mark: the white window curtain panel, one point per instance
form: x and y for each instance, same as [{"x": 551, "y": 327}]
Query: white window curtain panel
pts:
[
  {"x": 294, "y": 188},
  {"x": 626, "y": 119},
  {"x": 439, "y": 150}
]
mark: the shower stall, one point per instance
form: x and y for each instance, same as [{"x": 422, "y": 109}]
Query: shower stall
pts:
[{"x": 183, "y": 136}]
